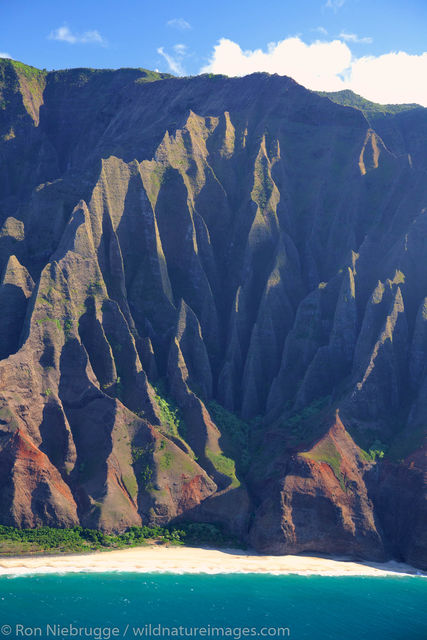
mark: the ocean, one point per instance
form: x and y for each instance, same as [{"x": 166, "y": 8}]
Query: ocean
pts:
[{"x": 130, "y": 605}]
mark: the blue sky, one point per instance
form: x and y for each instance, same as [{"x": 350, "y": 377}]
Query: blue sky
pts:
[{"x": 183, "y": 37}]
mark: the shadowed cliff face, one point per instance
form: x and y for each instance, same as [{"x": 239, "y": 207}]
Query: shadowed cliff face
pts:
[{"x": 214, "y": 308}]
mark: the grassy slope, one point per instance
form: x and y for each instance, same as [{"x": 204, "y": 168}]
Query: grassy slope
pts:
[{"x": 370, "y": 109}]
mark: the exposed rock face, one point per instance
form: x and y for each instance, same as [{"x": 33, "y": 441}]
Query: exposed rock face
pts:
[
  {"x": 323, "y": 504},
  {"x": 171, "y": 245}
]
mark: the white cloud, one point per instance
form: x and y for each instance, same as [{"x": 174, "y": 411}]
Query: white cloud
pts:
[
  {"x": 5, "y": 55},
  {"x": 64, "y": 34},
  {"x": 179, "y": 23},
  {"x": 174, "y": 62},
  {"x": 334, "y": 4},
  {"x": 180, "y": 49},
  {"x": 391, "y": 78},
  {"x": 317, "y": 65},
  {"x": 321, "y": 30},
  {"x": 353, "y": 37},
  {"x": 394, "y": 77}
]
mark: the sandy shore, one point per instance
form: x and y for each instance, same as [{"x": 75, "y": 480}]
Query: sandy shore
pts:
[{"x": 155, "y": 559}]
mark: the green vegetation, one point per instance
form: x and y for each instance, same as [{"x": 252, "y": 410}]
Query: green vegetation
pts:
[
  {"x": 300, "y": 425},
  {"x": 138, "y": 453},
  {"x": 377, "y": 450},
  {"x": 142, "y": 458},
  {"x": 119, "y": 389},
  {"x": 78, "y": 539},
  {"x": 169, "y": 412},
  {"x": 235, "y": 429},
  {"x": 370, "y": 109},
  {"x": 131, "y": 486},
  {"x": 146, "y": 475},
  {"x": 214, "y": 76},
  {"x": 68, "y": 326},
  {"x": 224, "y": 465},
  {"x": 202, "y": 533},
  {"x": 151, "y": 76},
  {"x": 165, "y": 460},
  {"x": 55, "y": 321},
  {"x": 30, "y": 73},
  {"x": 16, "y": 79},
  {"x": 327, "y": 452}
]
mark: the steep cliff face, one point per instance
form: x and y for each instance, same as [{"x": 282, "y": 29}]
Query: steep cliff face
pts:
[{"x": 214, "y": 307}]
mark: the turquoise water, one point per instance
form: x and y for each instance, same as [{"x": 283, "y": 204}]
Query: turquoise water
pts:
[{"x": 309, "y": 607}]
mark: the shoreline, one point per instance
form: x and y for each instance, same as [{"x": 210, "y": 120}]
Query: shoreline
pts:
[{"x": 190, "y": 560}]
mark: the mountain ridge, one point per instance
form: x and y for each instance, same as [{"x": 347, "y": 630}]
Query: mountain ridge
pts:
[
  {"x": 348, "y": 98},
  {"x": 239, "y": 241}
]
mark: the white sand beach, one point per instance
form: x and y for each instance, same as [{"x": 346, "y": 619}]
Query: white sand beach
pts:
[{"x": 164, "y": 559}]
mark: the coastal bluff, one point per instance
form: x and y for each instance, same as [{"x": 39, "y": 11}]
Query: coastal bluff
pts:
[{"x": 213, "y": 299}]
